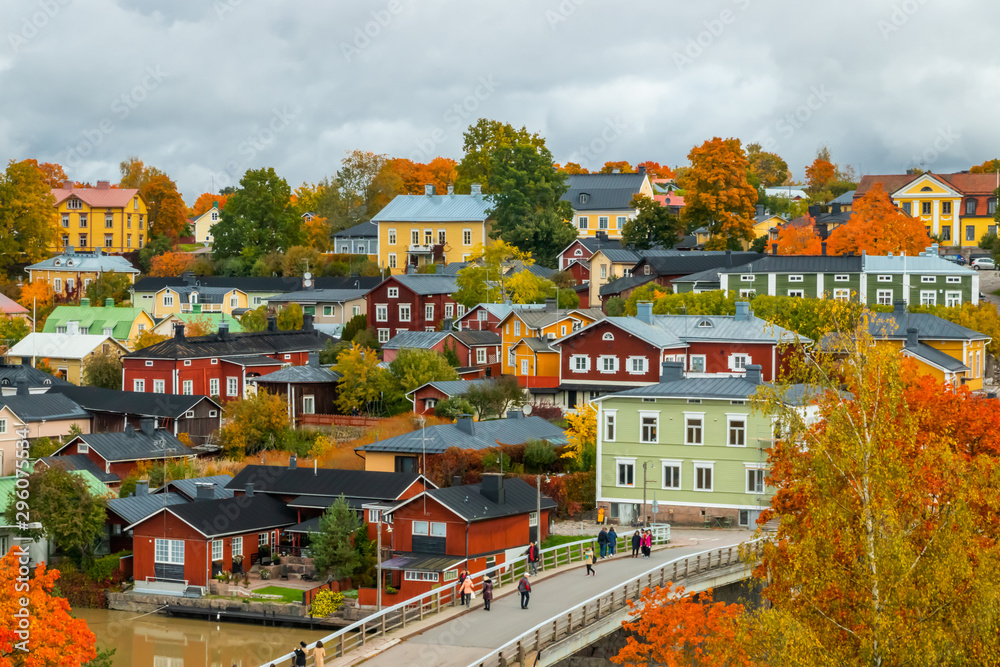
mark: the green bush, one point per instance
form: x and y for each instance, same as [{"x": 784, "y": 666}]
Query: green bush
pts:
[
  {"x": 43, "y": 447},
  {"x": 104, "y": 568},
  {"x": 538, "y": 456},
  {"x": 326, "y": 603}
]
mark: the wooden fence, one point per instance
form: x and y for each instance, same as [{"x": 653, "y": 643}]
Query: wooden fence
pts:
[{"x": 338, "y": 420}]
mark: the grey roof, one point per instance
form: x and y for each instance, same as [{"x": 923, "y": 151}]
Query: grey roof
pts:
[
  {"x": 451, "y": 268},
  {"x": 254, "y": 360},
  {"x": 621, "y": 255},
  {"x": 936, "y": 357},
  {"x": 319, "y": 296},
  {"x": 427, "y": 283},
  {"x": 425, "y": 562},
  {"x": 189, "y": 487},
  {"x": 592, "y": 243},
  {"x": 846, "y": 198},
  {"x": 435, "y": 208},
  {"x": 605, "y": 191},
  {"x": 468, "y": 502},
  {"x": 707, "y": 276},
  {"x": 543, "y": 318},
  {"x": 44, "y": 407},
  {"x": 90, "y": 261},
  {"x": 472, "y": 337},
  {"x": 80, "y": 462},
  {"x": 240, "y": 344},
  {"x": 535, "y": 344},
  {"x": 453, "y": 387},
  {"x": 137, "y": 508},
  {"x": 307, "y": 526},
  {"x": 502, "y": 310},
  {"x": 132, "y": 445},
  {"x": 929, "y": 327},
  {"x": 485, "y": 435},
  {"x": 619, "y": 285},
  {"x": 922, "y": 263},
  {"x": 725, "y": 328},
  {"x": 684, "y": 263},
  {"x": 299, "y": 374},
  {"x": 205, "y": 294},
  {"x": 722, "y": 388},
  {"x": 96, "y": 399},
  {"x": 364, "y": 230},
  {"x": 423, "y": 340},
  {"x": 654, "y": 335},
  {"x": 688, "y": 241},
  {"x": 540, "y": 271},
  {"x": 244, "y": 514},
  {"x": 799, "y": 264},
  {"x": 11, "y": 373}
]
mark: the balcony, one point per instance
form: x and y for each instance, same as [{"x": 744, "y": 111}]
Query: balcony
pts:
[{"x": 420, "y": 249}]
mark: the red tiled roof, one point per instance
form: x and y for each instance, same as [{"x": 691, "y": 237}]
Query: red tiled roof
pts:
[
  {"x": 669, "y": 200},
  {"x": 966, "y": 183},
  {"x": 97, "y": 197},
  {"x": 11, "y": 307}
]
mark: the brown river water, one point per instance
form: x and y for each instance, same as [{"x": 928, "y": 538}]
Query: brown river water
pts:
[{"x": 164, "y": 641}]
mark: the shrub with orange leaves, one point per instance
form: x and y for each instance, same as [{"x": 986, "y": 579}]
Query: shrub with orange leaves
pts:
[
  {"x": 204, "y": 203},
  {"x": 37, "y": 293},
  {"x": 171, "y": 264},
  {"x": 51, "y": 635}
]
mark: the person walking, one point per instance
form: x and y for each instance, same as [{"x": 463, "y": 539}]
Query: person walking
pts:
[
  {"x": 647, "y": 544},
  {"x": 524, "y": 588},
  {"x": 487, "y": 592},
  {"x": 612, "y": 541},
  {"x": 532, "y": 554},
  {"x": 636, "y": 544},
  {"x": 467, "y": 588},
  {"x": 319, "y": 655},
  {"x": 602, "y": 541},
  {"x": 300, "y": 655},
  {"x": 590, "y": 558}
]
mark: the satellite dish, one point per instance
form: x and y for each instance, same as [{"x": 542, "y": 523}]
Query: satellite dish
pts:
[
  {"x": 307, "y": 275},
  {"x": 526, "y": 410},
  {"x": 307, "y": 283}
]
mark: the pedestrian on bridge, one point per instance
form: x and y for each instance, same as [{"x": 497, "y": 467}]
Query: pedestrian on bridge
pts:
[
  {"x": 647, "y": 544},
  {"x": 636, "y": 544},
  {"x": 467, "y": 588},
  {"x": 319, "y": 655},
  {"x": 590, "y": 558},
  {"x": 525, "y": 589},
  {"x": 602, "y": 541},
  {"x": 487, "y": 592},
  {"x": 532, "y": 554},
  {"x": 612, "y": 541}
]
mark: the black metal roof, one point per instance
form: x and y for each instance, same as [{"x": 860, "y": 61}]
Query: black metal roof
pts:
[
  {"x": 365, "y": 229},
  {"x": 274, "y": 284},
  {"x": 43, "y": 407},
  {"x": 799, "y": 264},
  {"x": 189, "y": 487},
  {"x": 80, "y": 462},
  {"x": 141, "y": 403},
  {"x": 426, "y": 562},
  {"x": 234, "y": 344},
  {"x": 231, "y": 516},
  {"x": 473, "y": 337},
  {"x": 365, "y": 484},
  {"x": 621, "y": 284},
  {"x": 468, "y": 502},
  {"x": 693, "y": 262},
  {"x": 603, "y": 191},
  {"x": 133, "y": 445},
  {"x": 11, "y": 373},
  {"x": 299, "y": 374}
]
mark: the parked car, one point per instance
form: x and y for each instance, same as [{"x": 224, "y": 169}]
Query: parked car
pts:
[
  {"x": 984, "y": 264},
  {"x": 958, "y": 259}
]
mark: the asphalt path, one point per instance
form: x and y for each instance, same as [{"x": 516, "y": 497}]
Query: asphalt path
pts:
[{"x": 468, "y": 637}]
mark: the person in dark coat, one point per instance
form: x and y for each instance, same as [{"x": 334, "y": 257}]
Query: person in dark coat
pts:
[
  {"x": 636, "y": 544},
  {"x": 525, "y": 589},
  {"x": 532, "y": 554},
  {"x": 612, "y": 541},
  {"x": 487, "y": 592},
  {"x": 300, "y": 655},
  {"x": 602, "y": 541}
]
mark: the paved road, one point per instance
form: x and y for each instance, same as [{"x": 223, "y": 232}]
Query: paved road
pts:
[{"x": 469, "y": 637}]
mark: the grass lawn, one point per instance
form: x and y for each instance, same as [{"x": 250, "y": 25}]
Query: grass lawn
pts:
[
  {"x": 287, "y": 594},
  {"x": 189, "y": 247},
  {"x": 556, "y": 540}
]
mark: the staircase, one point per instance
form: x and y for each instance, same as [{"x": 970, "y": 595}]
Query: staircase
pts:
[{"x": 299, "y": 567}]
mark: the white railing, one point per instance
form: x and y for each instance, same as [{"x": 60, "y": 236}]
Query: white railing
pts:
[
  {"x": 359, "y": 633},
  {"x": 612, "y": 600}
]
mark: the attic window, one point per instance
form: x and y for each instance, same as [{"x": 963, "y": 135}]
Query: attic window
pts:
[
  {"x": 189, "y": 414},
  {"x": 578, "y": 253},
  {"x": 747, "y": 278},
  {"x": 213, "y": 413},
  {"x": 608, "y": 336},
  {"x": 926, "y": 188},
  {"x": 5, "y": 381},
  {"x": 149, "y": 363},
  {"x": 82, "y": 448},
  {"x": 584, "y": 197},
  {"x": 57, "y": 262},
  {"x": 706, "y": 324},
  {"x": 69, "y": 262}
]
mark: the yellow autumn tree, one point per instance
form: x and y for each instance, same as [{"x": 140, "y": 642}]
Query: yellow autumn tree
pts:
[{"x": 581, "y": 432}]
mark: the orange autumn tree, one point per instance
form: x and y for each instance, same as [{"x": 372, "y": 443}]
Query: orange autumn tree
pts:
[
  {"x": 677, "y": 630},
  {"x": 316, "y": 231},
  {"x": 800, "y": 239},
  {"x": 53, "y": 173},
  {"x": 655, "y": 170},
  {"x": 622, "y": 167},
  {"x": 54, "y": 636},
  {"x": 572, "y": 168},
  {"x": 718, "y": 194},
  {"x": 204, "y": 203},
  {"x": 879, "y": 227},
  {"x": 170, "y": 264},
  {"x": 819, "y": 173},
  {"x": 37, "y": 293},
  {"x": 200, "y": 325}
]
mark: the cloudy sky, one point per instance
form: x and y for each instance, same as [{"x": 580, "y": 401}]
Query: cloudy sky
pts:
[{"x": 205, "y": 89}]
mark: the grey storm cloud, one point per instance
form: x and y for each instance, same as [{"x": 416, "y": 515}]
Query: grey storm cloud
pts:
[{"x": 206, "y": 89}]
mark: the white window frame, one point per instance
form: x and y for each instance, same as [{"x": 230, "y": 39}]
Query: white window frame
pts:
[
  {"x": 953, "y": 280},
  {"x": 138, "y": 385},
  {"x": 404, "y": 308},
  {"x": 237, "y": 546},
  {"x": 704, "y": 465},
  {"x": 603, "y": 221},
  {"x": 82, "y": 448},
  {"x": 3, "y": 425},
  {"x": 628, "y": 463},
  {"x": 952, "y": 299},
  {"x": 383, "y": 335},
  {"x": 308, "y": 404},
  {"x": 449, "y": 310},
  {"x": 688, "y": 417},
  {"x": 610, "y": 425},
  {"x": 740, "y": 430},
  {"x": 607, "y": 335},
  {"x": 841, "y": 278},
  {"x": 928, "y": 297},
  {"x": 795, "y": 279},
  {"x": 841, "y": 294},
  {"x": 757, "y": 470},
  {"x": 168, "y": 552},
  {"x": 517, "y": 327},
  {"x": 698, "y": 357},
  {"x": 159, "y": 386},
  {"x": 583, "y": 222},
  {"x": 883, "y": 297},
  {"x": 739, "y": 361},
  {"x": 466, "y": 237},
  {"x": 746, "y": 278},
  {"x": 187, "y": 387},
  {"x": 213, "y": 386},
  {"x": 884, "y": 279},
  {"x": 429, "y": 311},
  {"x": 419, "y": 575},
  {"x": 608, "y": 363},
  {"x": 621, "y": 221},
  {"x": 671, "y": 463},
  {"x": 637, "y": 365},
  {"x": 232, "y": 386},
  {"x": 928, "y": 279},
  {"x": 525, "y": 366},
  {"x": 168, "y": 300},
  {"x": 393, "y": 292},
  {"x": 460, "y": 310},
  {"x": 263, "y": 539},
  {"x": 381, "y": 312},
  {"x": 392, "y": 260},
  {"x": 217, "y": 550},
  {"x": 643, "y": 436},
  {"x": 574, "y": 363},
  {"x": 797, "y": 293},
  {"x": 392, "y": 237},
  {"x": 480, "y": 355}
]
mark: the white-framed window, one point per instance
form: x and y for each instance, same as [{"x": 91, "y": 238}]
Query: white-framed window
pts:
[
  {"x": 168, "y": 300},
  {"x": 213, "y": 386},
  {"x": 460, "y": 309},
  {"x": 609, "y": 425},
  {"x": 381, "y": 312},
  {"x": 625, "y": 472},
  {"x": 928, "y": 297},
  {"x": 138, "y": 385},
  {"x": 392, "y": 237},
  {"x": 328, "y": 311},
  {"x": 215, "y": 362},
  {"x": 517, "y": 327},
  {"x": 795, "y": 279},
  {"x": 237, "y": 546},
  {"x": 429, "y": 312},
  {"x": 841, "y": 278},
  {"x": 449, "y": 310},
  {"x": 216, "y": 549},
  {"x": 415, "y": 237},
  {"x": 602, "y": 222},
  {"x": 480, "y": 355},
  {"x": 608, "y": 336},
  {"x": 649, "y": 426},
  {"x": 883, "y": 297},
  {"x": 525, "y": 366},
  {"x": 187, "y": 362},
  {"x": 383, "y": 335},
  {"x": 187, "y": 387},
  {"x": 189, "y": 414},
  {"x": 884, "y": 279},
  {"x": 953, "y": 280},
  {"x": 637, "y": 365},
  {"x": 232, "y": 386},
  {"x": 738, "y": 362},
  {"x": 583, "y": 222},
  {"x": 392, "y": 260},
  {"x": 755, "y": 480},
  {"x": 263, "y": 539},
  {"x": 796, "y": 292},
  {"x": 169, "y": 552},
  {"x": 694, "y": 425},
  {"x": 82, "y": 448},
  {"x": 928, "y": 279},
  {"x": 841, "y": 294},
  {"x": 308, "y": 404},
  {"x": 608, "y": 363},
  {"x": 419, "y": 575},
  {"x": 373, "y": 516},
  {"x": 466, "y": 237},
  {"x": 404, "y": 312},
  {"x": 621, "y": 221},
  {"x": 697, "y": 364},
  {"x": 213, "y": 413},
  {"x": 511, "y": 359},
  {"x": 737, "y": 430},
  {"x": 671, "y": 474},
  {"x": 952, "y": 299},
  {"x": 604, "y": 271},
  {"x": 57, "y": 285},
  {"x": 580, "y": 363},
  {"x": 746, "y": 278},
  {"x": 703, "y": 475},
  {"x": 3, "y": 425},
  {"x": 393, "y": 292},
  {"x": 159, "y": 386}
]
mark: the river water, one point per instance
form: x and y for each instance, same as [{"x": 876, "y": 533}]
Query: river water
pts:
[{"x": 163, "y": 641}]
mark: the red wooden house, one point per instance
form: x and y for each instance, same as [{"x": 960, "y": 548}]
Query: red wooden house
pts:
[
  {"x": 428, "y": 395},
  {"x": 219, "y": 364},
  {"x": 471, "y": 527},
  {"x": 582, "y": 249},
  {"x": 412, "y": 302},
  {"x": 474, "y": 349},
  {"x": 580, "y": 271}
]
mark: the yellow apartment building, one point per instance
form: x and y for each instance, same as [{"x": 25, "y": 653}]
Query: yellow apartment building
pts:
[
  {"x": 113, "y": 219},
  {"x": 603, "y": 202},
  {"x": 417, "y": 230},
  {"x": 71, "y": 272}
]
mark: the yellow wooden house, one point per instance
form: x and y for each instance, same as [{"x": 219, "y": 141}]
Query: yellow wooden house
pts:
[
  {"x": 602, "y": 203},
  {"x": 179, "y": 299},
  {"x": 543, "y": 325},
  {"x": 67, "y": 354},
  {"x": 70, "y": 272},
  {"x": 115, "y": 219}
]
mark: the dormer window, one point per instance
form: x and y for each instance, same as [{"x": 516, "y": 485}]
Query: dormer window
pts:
[
  {"x": 584, "y": 197},
  {"x": 970, "y": 206},
  {"x": 194, "y": 297},
  {"x": 74, "y": 203},
  {"x": 57, "y": 262},
  {"x": 705, "y": 324},
  {"x": 69, "y": 262}
]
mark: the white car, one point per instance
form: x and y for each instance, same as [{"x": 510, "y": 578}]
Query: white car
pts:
[{"x": 984, "y": 264}]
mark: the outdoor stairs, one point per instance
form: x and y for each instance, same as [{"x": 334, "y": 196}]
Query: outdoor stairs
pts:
[{"x": 299, "y": 567}]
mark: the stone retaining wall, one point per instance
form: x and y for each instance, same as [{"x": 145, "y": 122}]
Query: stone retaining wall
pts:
[{"x": 144, "y": 603}]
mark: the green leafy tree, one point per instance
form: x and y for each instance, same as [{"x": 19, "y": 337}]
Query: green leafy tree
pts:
[
  {"x": 299, "y": 259},
  {"x": 413, "y": 368},
  {"x": 452, "y": 407},
  {"x": 158, "y": 245},
  {"x": 485, "y": 279},
  {"x": 615, "y": 307},
  {"x": 354, "y": 325},
  {"x": 654, "y": 226},
  {"x": 109, "y": 286},
  {"x": 27, "y": 215},
  {"x": 12, "y": 330},
  {"x": 254, "y": 320},
  {"x": 290, "y": 317},
  {"x": 43, "y": 446},
  {"x": 258, "y": 218},
  {"x": 684, "y": 303},
  {"x": 480, "y": 141},
  {"x": 538, "y": 456},
  {"x": 333, "y": 547},
  {"x": 362, "y": 383},
  {"x": 71, "y": 516},
  {"x": 494, "y": 399},
  {"x": 451, "y": 355},
  {"x": 760, "y": 244},
  {"x": 103, "y": 370},
  {"x": 769, "y": 168}
]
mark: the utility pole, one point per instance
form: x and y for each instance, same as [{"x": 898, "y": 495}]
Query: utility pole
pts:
[
  {"x": 538, "y": 509},
  {"x": 645, "y": 524},
  {"x": 378, "y": 562}
]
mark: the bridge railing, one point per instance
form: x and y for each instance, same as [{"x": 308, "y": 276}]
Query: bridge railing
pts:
[
  {"x": 557, "y": 628},
  {"x": 360, "y": 633}
]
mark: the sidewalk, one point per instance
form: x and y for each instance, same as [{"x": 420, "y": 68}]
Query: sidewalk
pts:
[{"x": 460, "y": 636}]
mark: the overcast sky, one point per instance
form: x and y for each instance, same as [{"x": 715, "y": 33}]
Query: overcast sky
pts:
[{"x": 205, "y": 89}]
